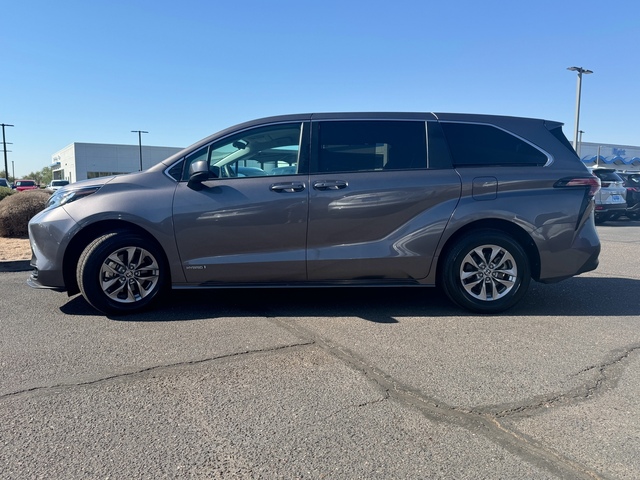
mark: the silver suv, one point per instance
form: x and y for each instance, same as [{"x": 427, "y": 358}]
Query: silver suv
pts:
[
  {"x": 611, "y": 199},
  {"x": 476, "y": 204}
]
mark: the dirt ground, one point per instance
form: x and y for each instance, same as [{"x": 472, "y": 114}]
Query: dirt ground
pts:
[{"x": 14, "y": 249}]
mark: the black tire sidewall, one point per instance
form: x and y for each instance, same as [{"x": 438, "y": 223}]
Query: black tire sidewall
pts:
[
  {"x": 92, "y": 259},
  {"x": 451, "y": 276}
]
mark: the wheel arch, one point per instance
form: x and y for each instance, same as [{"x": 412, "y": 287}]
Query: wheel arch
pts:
[
  {"x": 518, "y": 233},
  {"x": 87, "y": 235}
]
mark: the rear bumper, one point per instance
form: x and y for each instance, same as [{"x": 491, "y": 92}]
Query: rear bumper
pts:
[
  {"x": 567, "y": 252},
  {"x": 610, "y": 207}
]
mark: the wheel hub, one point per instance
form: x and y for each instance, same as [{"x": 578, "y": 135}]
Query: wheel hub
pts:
[
  {"x": 488, "y": 272},
  {"x": 129, "y": 274}
]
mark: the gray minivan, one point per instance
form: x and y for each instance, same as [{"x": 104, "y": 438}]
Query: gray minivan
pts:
[{"x": 476, "y": 204}]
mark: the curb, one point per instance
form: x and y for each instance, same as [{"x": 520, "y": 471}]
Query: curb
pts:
[{"x": 15, "y": 266}]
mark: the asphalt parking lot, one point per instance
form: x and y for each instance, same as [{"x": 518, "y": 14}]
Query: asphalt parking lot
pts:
[{"x": 352, "y": 383}]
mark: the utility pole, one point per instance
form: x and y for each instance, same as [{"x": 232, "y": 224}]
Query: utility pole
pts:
[
  {"x": 4, "y": 148},
  {"x": 139, "y": 132},
  {"x": 579, "y": 142}
]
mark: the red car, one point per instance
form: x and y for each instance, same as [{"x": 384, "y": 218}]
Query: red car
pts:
[{"x": 22, "y": 185}]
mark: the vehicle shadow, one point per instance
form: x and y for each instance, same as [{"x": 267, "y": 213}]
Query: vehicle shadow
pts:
[{"x": 578, "y": 296}]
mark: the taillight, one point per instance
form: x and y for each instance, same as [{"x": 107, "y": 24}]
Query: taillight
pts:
[{"x": 591, "y": 182}]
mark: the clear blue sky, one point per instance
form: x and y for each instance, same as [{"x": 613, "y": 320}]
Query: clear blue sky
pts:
[{"x": 93, "y": 70}]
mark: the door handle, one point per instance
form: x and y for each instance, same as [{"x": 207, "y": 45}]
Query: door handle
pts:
[
  {"x": 287, "y": 187},
  {"x": 330, "y": 184}
]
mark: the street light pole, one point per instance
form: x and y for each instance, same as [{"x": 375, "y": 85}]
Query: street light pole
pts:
[
  {"x": 4, "y": 149},
  {"x": 139, "y": 132},
  {"x": 580, "y": 71},
  {"x": 580, "y": 141}
]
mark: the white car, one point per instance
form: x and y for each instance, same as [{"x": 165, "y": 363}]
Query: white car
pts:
[
  {"x": 57, "y": 184},
  {"x": 611, "y": 200}
]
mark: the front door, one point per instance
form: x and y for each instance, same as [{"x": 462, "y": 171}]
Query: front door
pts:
[{"x": 248, "y": 222}]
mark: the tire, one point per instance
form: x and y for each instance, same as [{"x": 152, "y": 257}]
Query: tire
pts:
[
  {"x": 473, "y": 281},
  {"x": 121, "y": 272}
]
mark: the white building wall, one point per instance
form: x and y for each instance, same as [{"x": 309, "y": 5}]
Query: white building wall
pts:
[
  {"x": 80, "y": 161},
  {"x": 63, "y": 162}
]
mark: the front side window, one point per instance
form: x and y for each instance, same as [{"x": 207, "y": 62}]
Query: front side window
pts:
[
  {"x": 355, "y": 146},
  {"x": 473, "y": 145},
  {"x": 263, "y": 151}
]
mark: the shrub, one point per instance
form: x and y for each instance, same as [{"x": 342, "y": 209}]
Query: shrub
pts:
[
  {"x": 5, "y": 192},
  {"x": 16, "y": 211}
]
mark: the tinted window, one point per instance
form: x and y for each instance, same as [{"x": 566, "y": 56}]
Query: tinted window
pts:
[
  {"x": 175, "y": 171},
  {"x": 352, "y": 146},
  {"x": 607, "y": 175},
  {"x": 481, "y": 145}
]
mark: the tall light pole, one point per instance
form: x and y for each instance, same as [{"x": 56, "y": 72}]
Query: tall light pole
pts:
[
  {"x": 4, "y": 149},
  {"x": 580, "y": 71},
  {"x": 579, "y": 141},
  {"x": 139, "y": 132}
]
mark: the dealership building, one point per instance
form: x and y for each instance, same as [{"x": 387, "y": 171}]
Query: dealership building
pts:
[
  {"x": 620, "y": 157},
  {"x": 80, "y": 161}
]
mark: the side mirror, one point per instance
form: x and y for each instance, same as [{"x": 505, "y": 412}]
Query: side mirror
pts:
[{"x": 198, "y": 173}]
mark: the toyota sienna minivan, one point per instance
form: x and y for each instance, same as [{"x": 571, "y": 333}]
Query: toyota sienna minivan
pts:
[{"x": 475, "y": 204}]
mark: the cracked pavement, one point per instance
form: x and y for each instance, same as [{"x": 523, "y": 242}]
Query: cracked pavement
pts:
[{"x": 358, "y": 383}]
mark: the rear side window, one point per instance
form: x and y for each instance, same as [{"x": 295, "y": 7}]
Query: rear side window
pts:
[
  {"x": 354, "y": 146},
  {"x": 474, "y": 145},
  {"x": 607, "y": 176}
]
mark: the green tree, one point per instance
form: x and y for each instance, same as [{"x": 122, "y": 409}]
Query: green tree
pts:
[{"x": 43, "y": 177}]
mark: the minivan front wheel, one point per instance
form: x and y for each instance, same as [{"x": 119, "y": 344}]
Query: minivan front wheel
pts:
[
  {"x": 486, "y": 272},
  {"x": 121, "y": 272}
]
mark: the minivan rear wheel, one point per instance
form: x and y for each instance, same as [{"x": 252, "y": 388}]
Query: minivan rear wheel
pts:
[
  {"x": 121, "y": 272},
  {"x": 486, "y": 272}
]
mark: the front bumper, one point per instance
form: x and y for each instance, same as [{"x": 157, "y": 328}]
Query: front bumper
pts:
[{"x": 49, "y": 233}]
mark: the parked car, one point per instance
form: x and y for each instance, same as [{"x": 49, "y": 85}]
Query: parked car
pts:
[
  {"x": 4, "y": 183},
  {"x": 611, "y": 199},
  {"x": 477, "y": 204},
  {"x": 632, "y": 184},
  {"x": 57, "y": 184},
  {"x": 22, "y": 185}
]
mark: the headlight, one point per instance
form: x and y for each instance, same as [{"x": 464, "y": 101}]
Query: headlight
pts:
[{"x": 64, "y": 196}]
